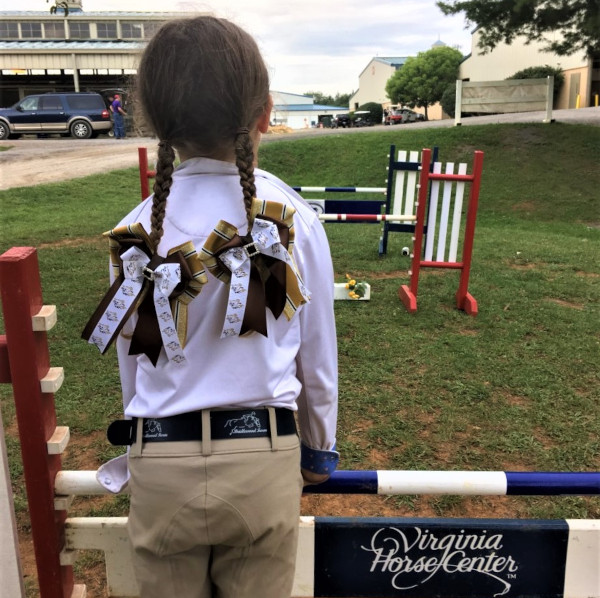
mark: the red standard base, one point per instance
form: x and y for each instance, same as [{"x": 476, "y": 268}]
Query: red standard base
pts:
[
  {"x": 468, "y": 304},
  {"x": 408, "y": 298}
]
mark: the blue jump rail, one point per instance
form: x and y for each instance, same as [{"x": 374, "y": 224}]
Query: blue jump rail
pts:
[{"x": 537, "y": 483}]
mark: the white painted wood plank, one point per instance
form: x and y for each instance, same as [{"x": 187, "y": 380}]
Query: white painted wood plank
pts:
[
  {"x": 11, "y": 577},
  {"x": 432, "y": 217},
  {"x": 457, "y": 215},
  {"x": 444, "y": 215}
]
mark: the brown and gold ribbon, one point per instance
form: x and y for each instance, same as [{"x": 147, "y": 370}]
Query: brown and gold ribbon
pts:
[
  {"x": 123, "y": 299},
  {"x": 272, "y": 278}
]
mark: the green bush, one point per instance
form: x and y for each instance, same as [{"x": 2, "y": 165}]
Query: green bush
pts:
[
  {"x": 448, "y": 100},
  {"x": 376, "y": 111}
]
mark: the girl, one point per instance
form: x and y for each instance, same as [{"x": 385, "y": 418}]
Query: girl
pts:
[{"x": 222, "y": 307}]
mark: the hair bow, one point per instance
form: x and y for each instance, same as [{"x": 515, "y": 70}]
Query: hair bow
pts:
[
  {"x": 175, "y": 281},
  {"x": 259, "y": 268}
]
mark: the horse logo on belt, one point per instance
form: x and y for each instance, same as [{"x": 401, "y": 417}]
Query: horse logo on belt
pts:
[{"x": 247, "y": 424}]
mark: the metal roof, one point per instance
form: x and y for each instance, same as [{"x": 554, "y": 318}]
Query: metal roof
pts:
[
  {"x": 79, "y": 13},
  {"x": 69, "y": 45},
  {"x": 392, "y": 61},
  {"x": 307, "y": 108}
]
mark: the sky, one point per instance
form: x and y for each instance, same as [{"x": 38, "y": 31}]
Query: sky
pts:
[{"x": 314, "y": 45}]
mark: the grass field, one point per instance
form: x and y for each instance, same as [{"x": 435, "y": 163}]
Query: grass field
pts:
[{"x": 516, "y": 388}]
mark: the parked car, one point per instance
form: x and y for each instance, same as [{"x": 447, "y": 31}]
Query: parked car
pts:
[
  {"x": 394, "y": 117},
  {"x": 81, "y": 115},
  {"x": 362, "y": 118},
  {"x": 410, "y": 116},
  {"x": 341, "y": 120}
]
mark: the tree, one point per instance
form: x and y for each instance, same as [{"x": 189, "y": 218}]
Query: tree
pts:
[
  {"x": 448, "y": 100},
  {"x": 422, "y": 80},
  {"x": 375, "y": 111},
  {"x": 340, "y": 99},
  {"x": 578, "y": 22}
]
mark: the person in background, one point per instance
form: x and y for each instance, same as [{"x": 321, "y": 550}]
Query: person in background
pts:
[
  {"x": 118, "y": 117},
  {"x": 222, "y": 313}
]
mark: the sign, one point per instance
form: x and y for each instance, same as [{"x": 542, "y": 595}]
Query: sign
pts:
[{"x": 454, "y": 558}]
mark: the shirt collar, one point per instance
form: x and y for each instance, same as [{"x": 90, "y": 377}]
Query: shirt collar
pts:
[{"x": 195, "y": 166}]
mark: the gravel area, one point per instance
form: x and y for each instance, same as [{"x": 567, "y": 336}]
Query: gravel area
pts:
[{"x": 31, "y": 161}]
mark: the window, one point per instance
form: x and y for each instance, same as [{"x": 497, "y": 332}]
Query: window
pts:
[
  {"x": 131, "y": 30},
  {"x": 30, "y": 103},
  {"x": 107, "y": 30},
  {"x": 151, "y": 28},
  {"x": 30, "y": 30},
  {"x": 85, "y": 102},
  {"x": 50, "y": 103},
  {"x": 54, "y": 30},
  {"x": 8, "y": 30},
  {"x": 78, "y": 30}
]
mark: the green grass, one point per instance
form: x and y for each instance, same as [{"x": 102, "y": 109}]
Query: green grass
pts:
[{"x": 515, "y": 388}]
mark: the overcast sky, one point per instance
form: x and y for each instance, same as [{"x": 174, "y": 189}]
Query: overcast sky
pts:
[{"x": 314, "y": 45}]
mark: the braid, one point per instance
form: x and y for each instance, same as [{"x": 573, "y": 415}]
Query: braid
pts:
[
  {"x": 244, "y": 159},
  {"x": 162, "y": 187}
]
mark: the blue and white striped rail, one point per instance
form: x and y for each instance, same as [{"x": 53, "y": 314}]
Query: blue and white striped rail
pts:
[
  {"x": 499, "y": 483},
  {"x": 490, "y": 483},
  {"x": 340, "y": 189}
]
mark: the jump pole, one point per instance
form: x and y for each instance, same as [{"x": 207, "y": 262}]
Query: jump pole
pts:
[
  {"x": 367, "y": 218},
  {"x": 399, "y": 483}
]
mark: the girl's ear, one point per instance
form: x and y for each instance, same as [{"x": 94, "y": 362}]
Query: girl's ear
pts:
[{"x": 265, "y": 117}]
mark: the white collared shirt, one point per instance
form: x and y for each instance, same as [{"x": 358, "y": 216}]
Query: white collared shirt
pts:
[{"x": 294, "y": 367}]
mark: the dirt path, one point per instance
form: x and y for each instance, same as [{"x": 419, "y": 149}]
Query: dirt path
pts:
[{"x": 32, "y": 161}]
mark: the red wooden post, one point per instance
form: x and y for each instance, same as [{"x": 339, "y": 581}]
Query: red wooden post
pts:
[
  {"x": 145, "y": 174},
  {"x": 408, "y": 294},
  {"x": 29, "y": 362},
  {"x": 464, "y": 300},
  {"x": 143, "y": 166}
]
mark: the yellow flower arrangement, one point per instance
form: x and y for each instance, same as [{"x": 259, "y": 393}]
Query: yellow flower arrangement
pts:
[{"x": 356, "y": 290}]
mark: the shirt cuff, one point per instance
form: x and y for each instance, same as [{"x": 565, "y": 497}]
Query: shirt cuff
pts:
[{"x": 318, "y": 461}]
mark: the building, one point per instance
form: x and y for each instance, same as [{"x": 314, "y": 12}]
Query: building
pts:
[
  {"x": 372, "y": 81},
  {"x": 300, "y": 111},
  {"x": 93, "y": 51},
  {"x": 582, "y": 73},
  {"x": 41, "y": 52}
]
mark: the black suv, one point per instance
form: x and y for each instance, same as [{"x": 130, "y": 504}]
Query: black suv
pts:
[
  {"x": 81, "y": 115},
  {"x": 341, "y": 120}
]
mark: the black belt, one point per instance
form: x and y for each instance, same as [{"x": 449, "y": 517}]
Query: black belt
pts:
[{"x": 236, "y": 423}]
